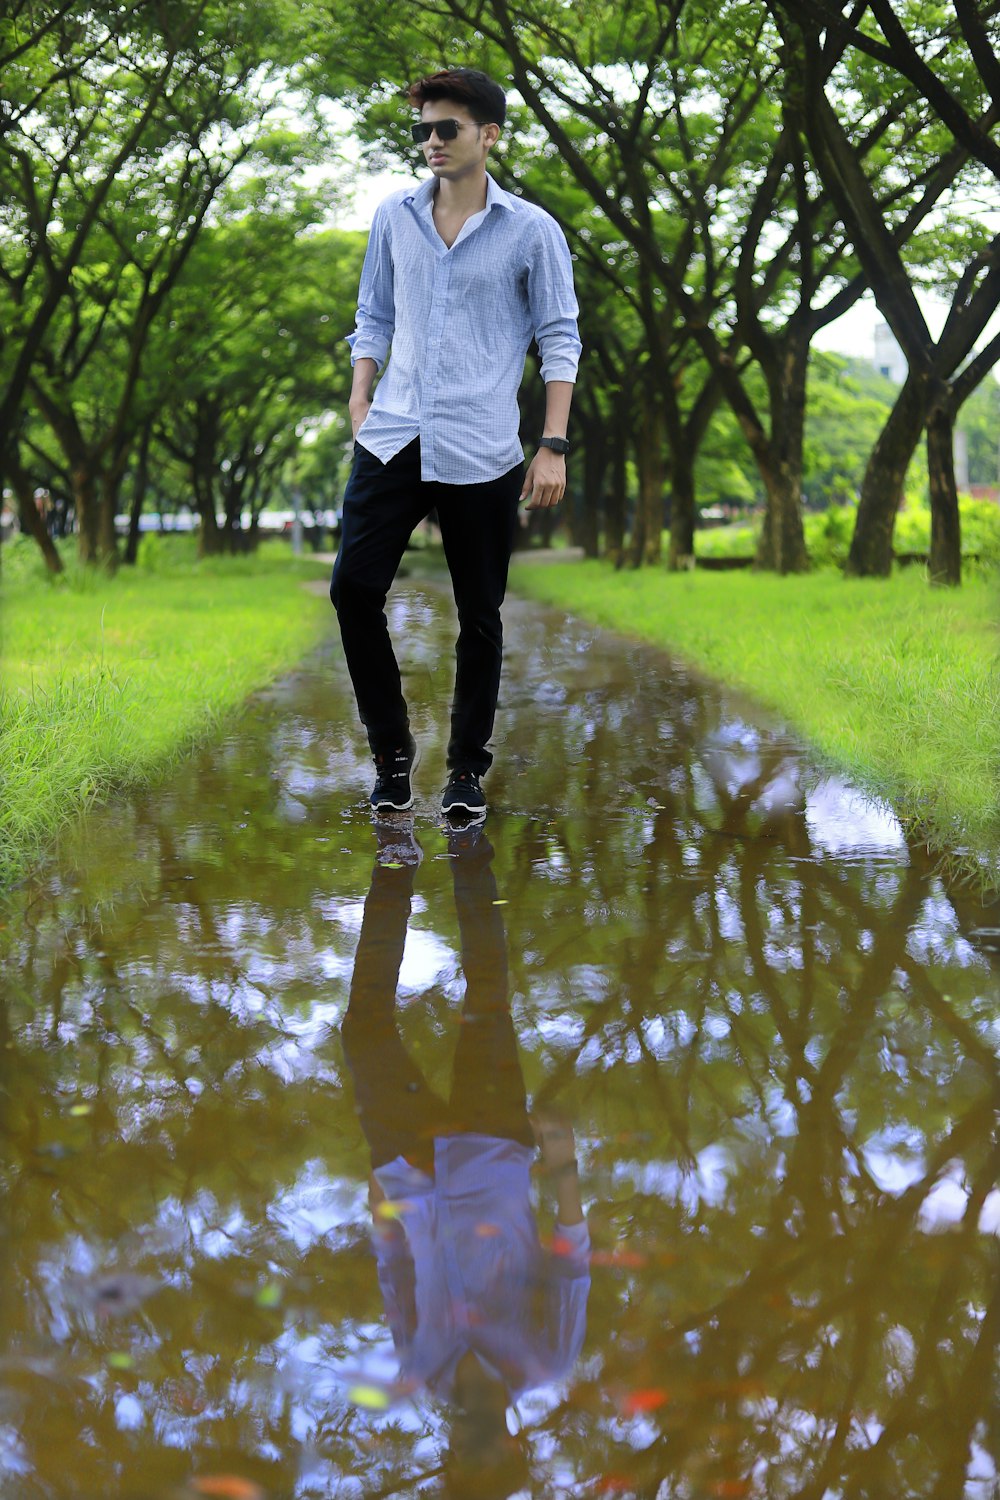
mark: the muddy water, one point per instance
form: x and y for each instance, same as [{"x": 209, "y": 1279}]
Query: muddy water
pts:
[{"x": 679, "y": 955}]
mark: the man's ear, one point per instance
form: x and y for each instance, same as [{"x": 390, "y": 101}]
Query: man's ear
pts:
[{"x": 492, "y": 134}]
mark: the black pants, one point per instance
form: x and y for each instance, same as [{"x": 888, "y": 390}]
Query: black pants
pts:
[
  {"x": 383, "y": 503},
  {"x": 400, "y": 1114}
]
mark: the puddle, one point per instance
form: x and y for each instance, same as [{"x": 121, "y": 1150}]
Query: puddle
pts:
[{"x": 276, "y": 1222}]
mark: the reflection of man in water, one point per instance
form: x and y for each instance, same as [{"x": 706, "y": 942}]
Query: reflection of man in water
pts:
[{"x": 479, "y": 1312}]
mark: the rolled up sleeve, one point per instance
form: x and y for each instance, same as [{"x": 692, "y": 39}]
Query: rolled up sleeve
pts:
[
  {"x": 376, "y": 316},
  {"x": 553, "y": 304}
]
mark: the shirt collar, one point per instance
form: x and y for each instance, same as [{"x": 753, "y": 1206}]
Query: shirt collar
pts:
[{"x": 422, "y": 197}]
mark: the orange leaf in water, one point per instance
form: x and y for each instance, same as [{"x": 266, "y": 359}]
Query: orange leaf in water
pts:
[
  {"x": 729, "y": 1489},
  {"x": 647, "y": 1400},
  {"x": 487, "y": 1231},
  {"x": 227, "y": 1487},
  {"x": 614, "y": 1484},
  {"x": 620, "y": 1257}
]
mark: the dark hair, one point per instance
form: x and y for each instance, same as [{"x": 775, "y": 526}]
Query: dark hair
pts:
[{"x": 485, "y": 99}]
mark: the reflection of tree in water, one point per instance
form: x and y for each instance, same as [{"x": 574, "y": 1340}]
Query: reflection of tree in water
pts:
[
  {"x": 785, "y": 1062},
  {"x": 791, "y": 1318}
]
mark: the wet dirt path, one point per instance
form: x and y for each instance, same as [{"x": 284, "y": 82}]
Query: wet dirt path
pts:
[{"x": 257, "y": 1247}]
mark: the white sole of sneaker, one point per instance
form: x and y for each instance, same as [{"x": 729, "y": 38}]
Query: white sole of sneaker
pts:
[{"x": 378, "y": 807}]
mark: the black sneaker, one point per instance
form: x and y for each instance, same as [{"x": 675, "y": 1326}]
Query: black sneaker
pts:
[
  {"x": 463, "y": 794},
  {"x": 392, "y": 790}
]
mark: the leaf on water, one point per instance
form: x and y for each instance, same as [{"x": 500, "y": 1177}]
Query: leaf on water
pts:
[
  {"x": 269, "y": 1295},
  {"x": 393, "y": 864},
  {"x": 614, "y": 1484},
  {"x": 81, "y": 1109},
  {"x": 372, "y": 1397},
  {"x": 501, "y": 903},
  {"x": 637, "y": 1402},
  {"x": 118, "y": 1359},
  {"x": 392, "y": 1208},
  {"x": 487, "y": 1231},
  {"x": 729, "y": 1489},
  {"x": 227, "y": 1487}
]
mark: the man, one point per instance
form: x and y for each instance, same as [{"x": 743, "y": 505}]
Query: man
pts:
[{"x": 457, "y": 279}]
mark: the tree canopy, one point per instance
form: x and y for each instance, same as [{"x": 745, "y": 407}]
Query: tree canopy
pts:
[{"x": 731, "y": 178}]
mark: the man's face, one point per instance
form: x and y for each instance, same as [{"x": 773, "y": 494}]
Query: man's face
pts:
[{"x": 467, "y": 152}]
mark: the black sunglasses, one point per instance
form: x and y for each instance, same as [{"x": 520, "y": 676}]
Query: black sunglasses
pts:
[{"x": 447, "y": 130}]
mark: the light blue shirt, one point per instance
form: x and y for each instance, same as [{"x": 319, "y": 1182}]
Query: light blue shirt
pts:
[
  {"x": 461, "y": 1269},
  {"x": 460, "y": 322}
]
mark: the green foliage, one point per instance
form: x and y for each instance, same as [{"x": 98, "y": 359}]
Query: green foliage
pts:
[
  {"x": 848, "y": 404},
  {"x": 979, "y": 419},
  {"x": 107, "y": 680},
  {"x": 247, "y": 365},
  {"x": 899, "y": 686},
  {"x": 828, "y": 533}
]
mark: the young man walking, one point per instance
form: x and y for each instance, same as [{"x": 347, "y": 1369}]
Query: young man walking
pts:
[{"x": 459, "y": 276}]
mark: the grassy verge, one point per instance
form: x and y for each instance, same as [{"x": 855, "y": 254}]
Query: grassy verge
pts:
[
  {"x": 828, "y": 533},
  {"x": 894, "y": 682},
  {"x": 106, "y": 680}
]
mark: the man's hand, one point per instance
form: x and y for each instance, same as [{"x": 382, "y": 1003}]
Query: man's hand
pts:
[
  {"x": 545, "y": 480},
  {"x": 359, "y": 410},
  {"x": 554, "y": 1137}
]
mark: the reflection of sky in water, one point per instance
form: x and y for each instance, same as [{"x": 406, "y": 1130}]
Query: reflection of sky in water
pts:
[
  {"x": 842, "y": 821},
  {"x": 316, "y": 1205},
  {"x": 689, "y": 1185}
]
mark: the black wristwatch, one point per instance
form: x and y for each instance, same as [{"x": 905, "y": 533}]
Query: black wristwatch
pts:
[{"x": 557, "y": 444}]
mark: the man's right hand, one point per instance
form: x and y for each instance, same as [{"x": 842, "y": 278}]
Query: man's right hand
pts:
[{"x": 359, "y": 411}]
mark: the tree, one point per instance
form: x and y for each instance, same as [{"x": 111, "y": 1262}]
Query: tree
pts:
[
  {"x": 942, "y": 373},
  {"x": 242, "y": 363},
  {"x": 54, "y": 119},
  {"x": 116, "y": 162}
]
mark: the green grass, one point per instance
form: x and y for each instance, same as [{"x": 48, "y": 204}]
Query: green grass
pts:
[
  {"x": 890, "y": 680},
  {"x": 107, "y": 680},
  {"x": 828, "y": 533}
]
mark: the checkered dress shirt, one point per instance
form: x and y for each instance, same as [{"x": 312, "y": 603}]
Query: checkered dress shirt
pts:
[{"x": 459, "y": 322}]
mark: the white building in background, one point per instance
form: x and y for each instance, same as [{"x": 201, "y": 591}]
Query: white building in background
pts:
[{"x": 889, "y": 360}]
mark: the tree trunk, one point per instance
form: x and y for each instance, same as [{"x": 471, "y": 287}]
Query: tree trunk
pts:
[
  {"x": 870, "y": 554},
  {"x": 595, "y": 464},
  {"x": 28, "y": 515},
  {"x": 210, "y": 541},
  {"x": 782, "y": 546},
  {"x": 107, "y": 541},
  {"x": 140, "y": 485},
  {"x": 647, "y": 531},
  {"x": 85, "y": 505},
  {"x": 614, "y": 508},
  {"x": 946, "y": 537},
  {"x": 682, "y": 508}
]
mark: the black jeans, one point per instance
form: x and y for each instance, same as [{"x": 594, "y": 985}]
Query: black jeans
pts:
[
  {"x": 382, "y": 505},
  {"x": 400, "y": 1114}
]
